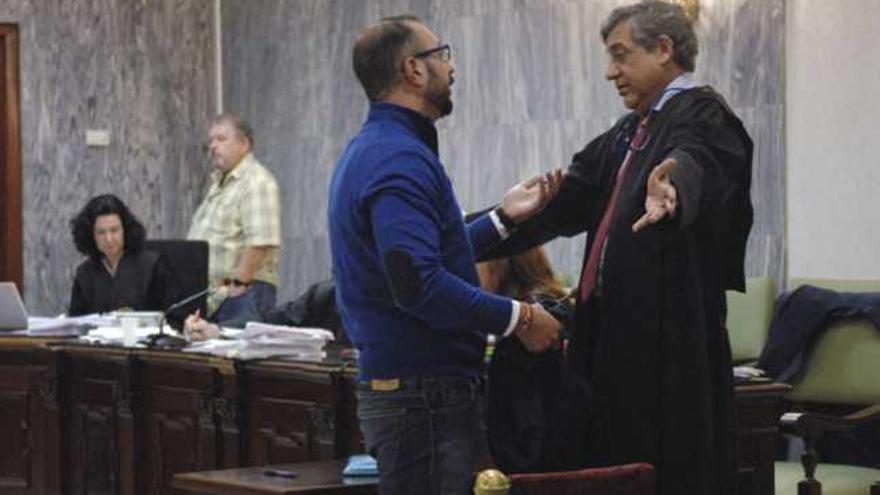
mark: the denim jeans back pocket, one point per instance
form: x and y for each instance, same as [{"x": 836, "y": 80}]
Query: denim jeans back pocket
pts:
[{"x": 452, "y": 395}]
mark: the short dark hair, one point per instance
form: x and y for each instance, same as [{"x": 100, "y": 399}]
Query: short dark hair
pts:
[
  {"x": 379, "y": 51},
  {"x": 242, "y": 126},
  {"x": 651, "y": 19},
  {"x": 83, "y": 225}
]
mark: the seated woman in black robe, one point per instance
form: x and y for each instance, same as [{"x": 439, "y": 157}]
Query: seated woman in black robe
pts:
[
  {"x": 537, "y": 409},
  {"x": 119, "y": 273}
]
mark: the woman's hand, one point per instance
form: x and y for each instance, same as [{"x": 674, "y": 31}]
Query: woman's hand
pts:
[{"x": 197, "y": 328}]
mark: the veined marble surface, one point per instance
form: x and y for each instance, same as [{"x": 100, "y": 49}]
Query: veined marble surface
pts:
[
  {"x": 144, "y": 71},
  {"x": 530, "y": 91}
]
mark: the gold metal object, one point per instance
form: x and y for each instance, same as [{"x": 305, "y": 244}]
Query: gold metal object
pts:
[
  {"x": 691, "y": 8},
  {"x": 491, "y": 482}
]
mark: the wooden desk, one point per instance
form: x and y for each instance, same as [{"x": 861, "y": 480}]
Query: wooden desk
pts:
[
  {"x": 323, "y": 478},
  {"x": 85, "y": 420},
  {"x": 79, "y": 419},
  {"x": 758, "y": 408}
]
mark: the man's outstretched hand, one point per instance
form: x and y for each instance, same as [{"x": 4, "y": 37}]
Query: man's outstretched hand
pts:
[
  {"x": 661, "y": 198},
  {"x": 529, "y": 197}
]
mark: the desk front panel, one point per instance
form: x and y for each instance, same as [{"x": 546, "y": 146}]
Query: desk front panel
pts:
[{"x": 99, "y": 420}]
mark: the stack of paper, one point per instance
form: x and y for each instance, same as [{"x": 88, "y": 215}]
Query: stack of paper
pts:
[
  {"x": 73, "y": 326},
  {"x": 262, "y": 340},
  {"x": 115, "y": 335},
  {"x": 744, "y": 374},
  {"x": 254, "y": 330}
]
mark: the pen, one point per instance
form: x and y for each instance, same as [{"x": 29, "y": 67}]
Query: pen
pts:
[{"x": 279, "y": 473}]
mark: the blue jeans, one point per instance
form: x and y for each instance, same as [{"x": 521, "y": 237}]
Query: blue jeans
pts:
[
  {"x": 252, "y": 305},
  {"x": 424, "y": 435}
]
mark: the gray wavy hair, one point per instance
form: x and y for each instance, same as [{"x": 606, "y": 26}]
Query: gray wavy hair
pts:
[{"x": 652, "y": 19}]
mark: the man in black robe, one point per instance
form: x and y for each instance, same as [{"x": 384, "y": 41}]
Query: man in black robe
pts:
[{"x": 664, "y": 196}]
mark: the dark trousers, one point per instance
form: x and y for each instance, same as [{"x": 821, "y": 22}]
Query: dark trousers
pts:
[{"x": 424, "y": 435}]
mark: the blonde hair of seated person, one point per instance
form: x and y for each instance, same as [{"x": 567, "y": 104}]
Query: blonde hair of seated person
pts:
[{"x": 522, "y": 277}]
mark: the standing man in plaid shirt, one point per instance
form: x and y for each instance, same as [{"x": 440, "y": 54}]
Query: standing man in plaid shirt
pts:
[{"x": 240, "y": 218}]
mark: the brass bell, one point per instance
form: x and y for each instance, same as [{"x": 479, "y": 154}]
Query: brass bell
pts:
[{"x": 491, "y": 482}]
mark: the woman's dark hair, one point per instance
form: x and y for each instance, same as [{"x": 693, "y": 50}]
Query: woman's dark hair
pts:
[{"x": 83, "y": 225}]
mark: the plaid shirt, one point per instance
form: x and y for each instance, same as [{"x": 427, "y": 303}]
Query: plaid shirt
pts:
[{"x": 242, "y": 209}]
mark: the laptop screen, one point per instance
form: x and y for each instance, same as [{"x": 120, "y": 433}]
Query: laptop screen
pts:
[{"x": 13, "y": 315}]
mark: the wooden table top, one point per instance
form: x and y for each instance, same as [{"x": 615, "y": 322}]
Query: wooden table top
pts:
[{"x": 323, "y": 478}]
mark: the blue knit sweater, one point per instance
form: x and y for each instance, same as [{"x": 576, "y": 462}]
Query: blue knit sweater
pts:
[{"x": 403, "y": 259}]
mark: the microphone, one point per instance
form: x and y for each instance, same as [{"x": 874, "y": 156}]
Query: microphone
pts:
[{"x": 162, "y": 340}]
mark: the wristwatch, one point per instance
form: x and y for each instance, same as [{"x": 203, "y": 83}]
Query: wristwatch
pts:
[
  {"x": 236, "y": 282},
  {"x": 505, "y": 220}
]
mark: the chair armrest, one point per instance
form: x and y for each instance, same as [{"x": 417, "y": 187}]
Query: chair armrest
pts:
[
  {"x": 810, "y": 427},
  {"x": 806, "y": 424}
]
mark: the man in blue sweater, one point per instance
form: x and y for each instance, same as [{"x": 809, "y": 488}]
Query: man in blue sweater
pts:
[{"x": 403, "y": 261}]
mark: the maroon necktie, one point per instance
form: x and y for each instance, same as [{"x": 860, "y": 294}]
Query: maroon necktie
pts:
[{"x": 591, "y": 266}]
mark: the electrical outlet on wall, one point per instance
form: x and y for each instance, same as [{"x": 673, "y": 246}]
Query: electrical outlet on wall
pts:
[{"x": 97, "y": 137}]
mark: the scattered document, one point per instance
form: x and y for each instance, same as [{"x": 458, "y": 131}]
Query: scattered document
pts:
[
  {"x": 66, "y": 326},
  {"x": 262, "y": 341}
]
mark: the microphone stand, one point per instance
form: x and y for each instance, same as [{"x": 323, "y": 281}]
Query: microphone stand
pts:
[{"x": 162, "y": 340}]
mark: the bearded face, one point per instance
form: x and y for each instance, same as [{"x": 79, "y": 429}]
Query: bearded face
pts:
[{"x": 439, "y": 91}]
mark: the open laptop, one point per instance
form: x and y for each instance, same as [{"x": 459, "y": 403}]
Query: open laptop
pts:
[{"x": 13, "y": 315}]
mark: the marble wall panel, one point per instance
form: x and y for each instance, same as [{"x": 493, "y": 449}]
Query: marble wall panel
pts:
[
  {"x": 530, "y": 91},
  {"x": 144, "y": 70}
]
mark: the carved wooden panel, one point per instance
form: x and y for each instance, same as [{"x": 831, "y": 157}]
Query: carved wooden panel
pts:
[
  {"x": 285, "y": 430},
  {"x": 50, "y": 446},
  {"x": 15, "y": 432},
  {"x": 23, "y": 436},
  {"x": 291, "y": 415},
  {"x": 95, "y": 435},
  {"x": 92, "y": 459},
  {"x": 180, "y": 419},
  {"x": 757, "y": 412}
]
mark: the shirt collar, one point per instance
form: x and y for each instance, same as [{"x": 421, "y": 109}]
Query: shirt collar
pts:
[
  {"x": 681, "y": 83},
  {"x": 236, "y": 171},
  {"x": 419, "y": 124}
]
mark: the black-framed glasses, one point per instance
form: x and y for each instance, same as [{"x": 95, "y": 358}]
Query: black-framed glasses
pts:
[{"x": 443, "y": 52}]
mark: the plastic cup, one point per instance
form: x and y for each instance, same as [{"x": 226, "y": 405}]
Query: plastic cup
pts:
[{"x": 129, "y": 330}]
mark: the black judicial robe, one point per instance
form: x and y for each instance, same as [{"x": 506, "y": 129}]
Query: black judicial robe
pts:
[
  {"x": 653, "y": 345},
  {"x": 142, "y": 282}
]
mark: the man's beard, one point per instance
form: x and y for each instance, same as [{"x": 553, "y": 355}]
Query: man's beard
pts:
[{"x": 439, "y": 95}]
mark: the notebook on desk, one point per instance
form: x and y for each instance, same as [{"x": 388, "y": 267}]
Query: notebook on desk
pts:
[
  {"x": 13, "y": 315},
  {"x": 361, "y": 465}
]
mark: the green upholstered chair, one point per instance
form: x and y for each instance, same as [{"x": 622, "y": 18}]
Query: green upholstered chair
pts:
[
  {"x": 748, "y": 318},
  {"x": 842, "y": 374}
]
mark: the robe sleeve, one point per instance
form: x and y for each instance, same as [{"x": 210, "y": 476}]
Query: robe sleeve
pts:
[
  {"x": 713, "y": 160},
  {"x": 713, "y": 179},
  {"x": 576, "y": 206},
  {"x": 78, "y": 303}
]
